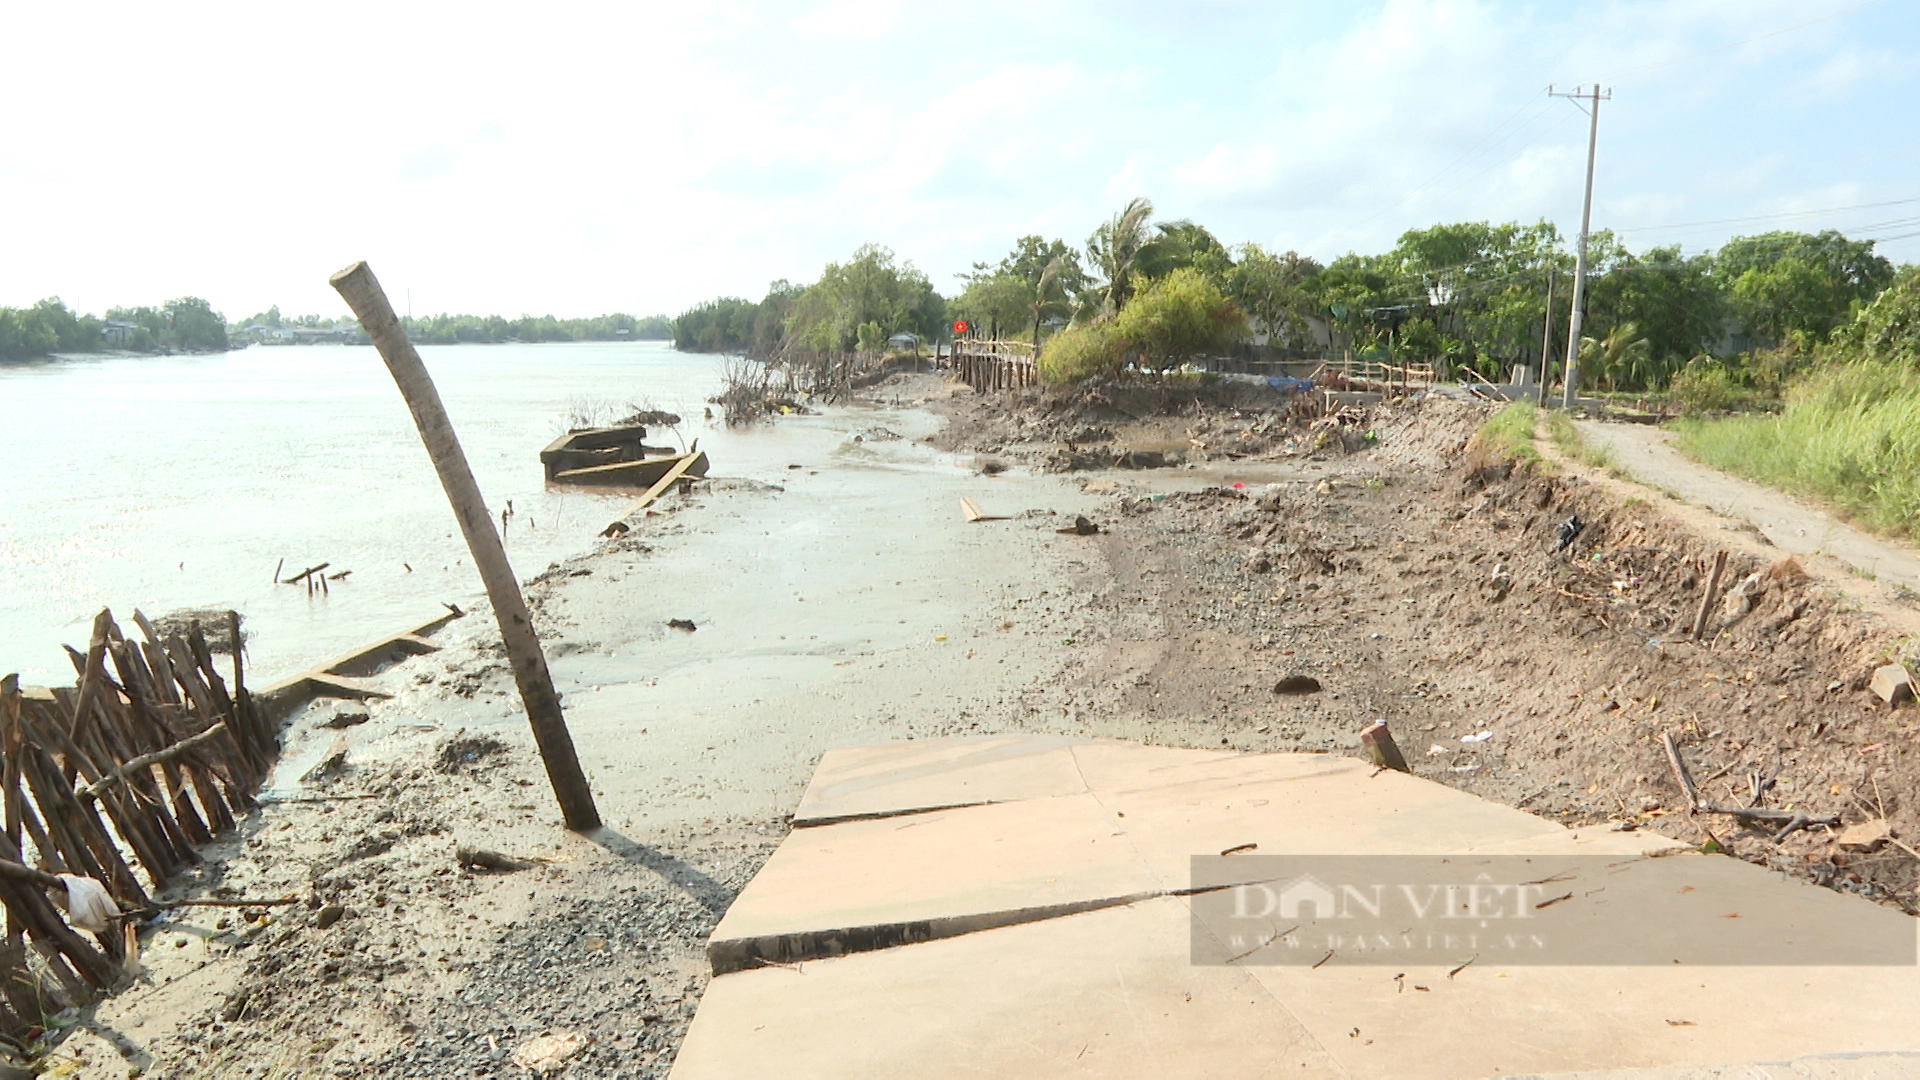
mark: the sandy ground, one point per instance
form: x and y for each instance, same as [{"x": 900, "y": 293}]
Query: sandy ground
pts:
[{"x": 847, "y": 601}]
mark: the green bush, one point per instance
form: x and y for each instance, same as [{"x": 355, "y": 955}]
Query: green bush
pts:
[
  {"x": 1179, "y": 317},
  {"x": 1079, "y": 353},
  {"x": 1708, "y": 387}
]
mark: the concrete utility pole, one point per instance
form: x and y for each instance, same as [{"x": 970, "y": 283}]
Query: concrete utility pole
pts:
[
  {"x": 1546, "y": 344},
  {"x": 1572, "y": 365},
  {"x": 361, "y": 290}
]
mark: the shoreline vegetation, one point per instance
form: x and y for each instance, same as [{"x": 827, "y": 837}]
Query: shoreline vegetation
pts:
[
  {"x": 190, "y": 325},
  {"x": 1814, "y": 332}
]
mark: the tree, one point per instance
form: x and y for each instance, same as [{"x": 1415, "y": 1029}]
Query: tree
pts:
[
  {"x": 1669, "y": 300},
  {"x": 870, "y": 287},
  {"x": 1179, "y": 317},
  {"x": 1623, "y": 356},
  {"x": 993, "y": 301},
  {"x": 1783, "y": 281},
  {"x": 1114, "y": 251},
  {"x": 1182, "y": 243},
  {"x": 1271, "y": 289}
]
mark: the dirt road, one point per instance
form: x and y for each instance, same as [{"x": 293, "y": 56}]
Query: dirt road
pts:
[{"x": 1646, "y": 453}]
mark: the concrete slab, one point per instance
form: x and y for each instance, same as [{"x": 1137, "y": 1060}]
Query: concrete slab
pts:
[
  {"x": 1497, "y": 1021},
  {"x": 1869, "y": 1066},
  {"x": 1106, "y": 993},
  {"x": 1042, "y": 937},
  {"x": 932, "y": 774},
  {"x": 1283, "y": 804},
  {"x": 868, "y": 884}
]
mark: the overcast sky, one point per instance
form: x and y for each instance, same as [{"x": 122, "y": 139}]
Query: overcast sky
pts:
[{"x": 576, "y": 158}]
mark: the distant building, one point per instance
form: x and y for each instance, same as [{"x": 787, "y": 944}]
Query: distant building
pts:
[{"x": 117, "y": 335}]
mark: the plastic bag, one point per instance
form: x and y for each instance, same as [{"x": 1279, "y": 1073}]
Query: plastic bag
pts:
[{"x": 89, "y": 905}]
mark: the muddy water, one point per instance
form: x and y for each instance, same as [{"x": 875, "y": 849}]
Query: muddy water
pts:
[{"x": 175, "y": 482}]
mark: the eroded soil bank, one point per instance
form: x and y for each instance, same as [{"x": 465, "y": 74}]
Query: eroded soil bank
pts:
[{"x": 850, "y": 602}]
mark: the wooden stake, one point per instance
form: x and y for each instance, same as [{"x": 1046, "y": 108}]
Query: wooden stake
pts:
[
  {"x": 361, "y": 290},
  {"x": 1381, "y": 747},
  {"x": 1706, "y": 599}
]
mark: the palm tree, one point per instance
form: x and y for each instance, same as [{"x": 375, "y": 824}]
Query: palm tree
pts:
[
  {"x": 1044, "y": 292},
  {"x": 1115, "y": 249},
  {"x": 1623, "y": 355}
]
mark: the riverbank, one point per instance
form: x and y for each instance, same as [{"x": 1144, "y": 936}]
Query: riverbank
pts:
[{"x": 850, "y": 602}]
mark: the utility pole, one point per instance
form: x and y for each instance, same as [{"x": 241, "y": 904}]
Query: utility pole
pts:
[
  {"x": 1546, "y": 344},
  {"x": 1572, "y": 366}
]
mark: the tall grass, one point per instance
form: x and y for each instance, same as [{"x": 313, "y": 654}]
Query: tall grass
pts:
[{"x": 1849, "y": 435}]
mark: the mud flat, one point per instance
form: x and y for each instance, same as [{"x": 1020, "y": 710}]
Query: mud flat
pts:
[{"x": 847, "y": 602}]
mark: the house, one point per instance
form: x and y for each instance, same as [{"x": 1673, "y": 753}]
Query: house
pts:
[{"x": 118, "y": 335}]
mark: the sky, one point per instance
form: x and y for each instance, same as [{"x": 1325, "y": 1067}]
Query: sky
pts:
[{"x": 578, "y": 158}]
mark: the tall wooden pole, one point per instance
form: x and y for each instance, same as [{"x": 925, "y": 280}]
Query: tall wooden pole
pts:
[{"x": 369, "y": 303}]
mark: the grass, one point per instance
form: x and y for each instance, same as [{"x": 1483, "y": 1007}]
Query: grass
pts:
[
  {"x": 1575, "y": 445},
  {"x": 1850, "y": 436},
  {"x": 1508, "y": 434}
]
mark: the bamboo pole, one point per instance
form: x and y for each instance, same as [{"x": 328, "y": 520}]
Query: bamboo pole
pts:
[{"x": 362, "y": 292}]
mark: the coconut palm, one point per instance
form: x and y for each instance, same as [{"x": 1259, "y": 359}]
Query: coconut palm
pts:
[
  {"x": 1115, "y": 251},
  {"x": 1622, "y": 356},
  {"x": 1049, "y": 294}
]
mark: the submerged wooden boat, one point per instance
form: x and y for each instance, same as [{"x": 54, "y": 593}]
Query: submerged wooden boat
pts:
[
  {"x": 587, "y": 447},
  {"x": 643, "y": 473}
]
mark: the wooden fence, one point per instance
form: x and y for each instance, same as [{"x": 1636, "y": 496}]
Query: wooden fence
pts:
[
  {"x": 995, "y": 365},
  {"x": 148, "y": 754}
]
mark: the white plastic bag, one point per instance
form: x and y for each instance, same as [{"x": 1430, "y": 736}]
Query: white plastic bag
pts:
[{"x": 89, "y": 905}]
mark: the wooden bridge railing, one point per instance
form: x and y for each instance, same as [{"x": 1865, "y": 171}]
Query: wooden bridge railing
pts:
[{"x": 995, "y": 365}]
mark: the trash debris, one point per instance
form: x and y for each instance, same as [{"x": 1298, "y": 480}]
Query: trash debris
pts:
[
  {"x": 682, "y": 624},
  {"x": 1482, "y": 737},
  {"x": 1081, "y": 527},
  {"x": 88, "y": 904},
  {"x": 1866, "y": 836},
  {"x": 549, "y": 1053},
  {"x": 1568, "y": 532},
  {"x": 972, "y": 512},
  {"x": 1297, "y": 684},
  {"x": 1740, "y": 598},
  {"x": 1893, "y": 683},
  {"x": 1501, "y": 582}
]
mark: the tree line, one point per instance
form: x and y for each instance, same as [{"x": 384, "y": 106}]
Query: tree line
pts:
[
  {"x": 1465, "y": 295},
  {"x": 479, "y": 329},
  {"x": 188, "y": 324}
]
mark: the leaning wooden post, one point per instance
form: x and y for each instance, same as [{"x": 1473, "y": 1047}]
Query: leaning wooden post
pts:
[{"x": 363, "y": 294}]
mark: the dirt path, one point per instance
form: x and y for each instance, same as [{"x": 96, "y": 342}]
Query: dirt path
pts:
[{"x": 1647, "y": 454}]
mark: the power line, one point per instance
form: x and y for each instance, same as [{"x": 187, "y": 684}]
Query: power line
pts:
[
  {"x": 1770, "y": 217},
  {"x": 1743, "y": 41}
]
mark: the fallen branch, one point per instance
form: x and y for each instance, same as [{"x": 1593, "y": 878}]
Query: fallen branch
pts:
[
  {"x": 1792, "y": 821},
  {"x": 146, "y": 761},
  {"x": 1680, "y": 774}
]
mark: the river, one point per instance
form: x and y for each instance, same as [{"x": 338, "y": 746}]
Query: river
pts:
[{"x": 183, "y": 481}]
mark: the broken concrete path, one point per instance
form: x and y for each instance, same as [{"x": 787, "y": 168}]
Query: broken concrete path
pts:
[{"x": 1026, "y": 909}]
